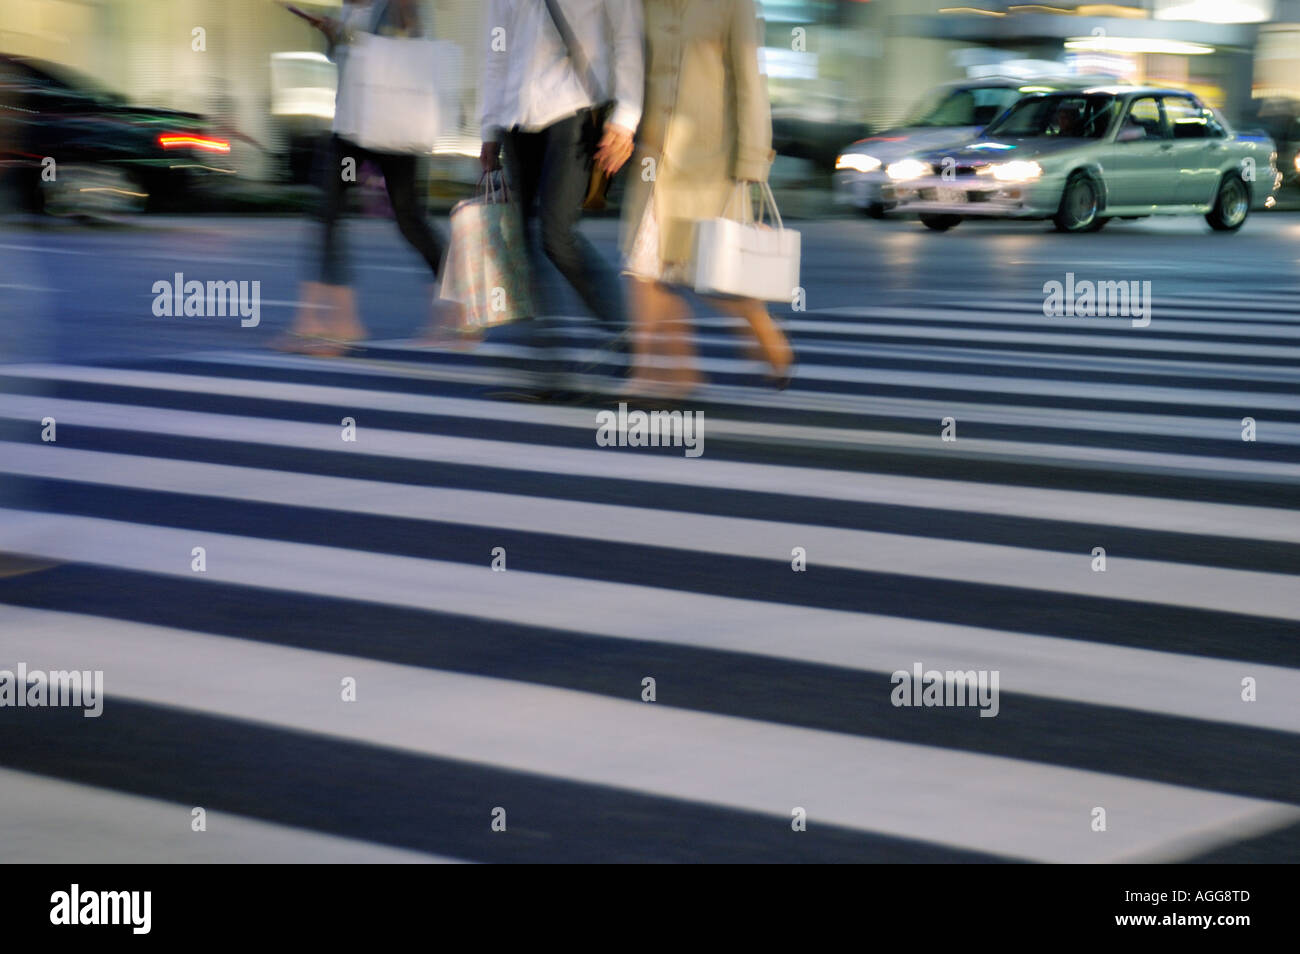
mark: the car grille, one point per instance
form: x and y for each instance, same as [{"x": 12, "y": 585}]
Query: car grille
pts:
[{"x": 959, "y": 170}]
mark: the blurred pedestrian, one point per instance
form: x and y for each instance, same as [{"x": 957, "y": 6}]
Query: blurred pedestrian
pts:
[
  {"x": 561, "y": 94},
  {"x": 707, "y": 127},
  {"x": 327, "y": 323}
]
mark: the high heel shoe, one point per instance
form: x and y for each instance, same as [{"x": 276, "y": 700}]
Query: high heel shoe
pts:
[{"x": 780, "y": 380}]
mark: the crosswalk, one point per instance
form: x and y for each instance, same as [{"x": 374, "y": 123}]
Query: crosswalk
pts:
[{"x": 474, "y": 634}]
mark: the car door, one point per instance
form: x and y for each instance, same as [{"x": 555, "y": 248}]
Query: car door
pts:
[
  {"x": 1200, "y": 147},
  {"x": 1143, "y": 171}
]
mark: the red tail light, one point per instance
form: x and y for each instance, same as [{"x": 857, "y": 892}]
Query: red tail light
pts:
[{"x": 185, "y": 141}]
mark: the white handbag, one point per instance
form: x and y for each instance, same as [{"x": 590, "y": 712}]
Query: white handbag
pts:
[
  {"x": 397, "y": 94},
  {"x": 747, "y": 257}
]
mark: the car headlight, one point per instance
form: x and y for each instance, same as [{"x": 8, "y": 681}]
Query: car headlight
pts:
[
  {"x": 857, "y": 162},
  {"x": 1297, "y": 162},
  {"x": 1018, "y": 170},
  {"x": 907, "y": 169}
]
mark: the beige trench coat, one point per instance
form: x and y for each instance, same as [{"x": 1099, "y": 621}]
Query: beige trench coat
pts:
[{"x": 706, "y": 122}]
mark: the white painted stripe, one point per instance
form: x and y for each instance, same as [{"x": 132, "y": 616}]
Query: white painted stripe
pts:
[
  {"x": 984, "y": 803},
  {"x": 398, "y": 368},
  {"x": 1227, "y": 428},
  {"x": 1165, "y": 311},
  {"x": 395, "y": 365},
  {"x": 849, "y": 375},
  {"x": 47, "y": 250},
  {"x": 1036, "y": 320},
  {"x": 1241, "y": 301},
  {"x": 867, "y": 354},
  {"x": 611, "y": 463},
  {"x": 1071, "y": 506},
  {"x": 1141, "y": 340},
  {"x": 1050, "y": 667},
  {"x": 948, "y": 560},
  {"x": 49, "y": 821},
  {"x": 1200, "y": 304},
  {"x": 1052, "y": 389},
  {"x": 171, "y": 256}
]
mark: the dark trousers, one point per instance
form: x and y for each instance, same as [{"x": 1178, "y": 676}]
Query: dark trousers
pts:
[
  {"x": 550, "y": 169},
  {"x": 406, "y": 199}
]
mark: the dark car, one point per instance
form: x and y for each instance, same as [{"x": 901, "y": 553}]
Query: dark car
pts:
[
  {"x": 1279, "y": 117},
  {"x": 70, "y": 147}
]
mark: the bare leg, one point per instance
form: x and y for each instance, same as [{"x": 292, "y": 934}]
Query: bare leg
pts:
[
  {"x": 447, "y": 328},
  {"x": 307, "y": 320},
  {"x": 771, "y": 339},
  {"x": 325, "y": 323},
  {"x": 343, "y": 323},
  {"x": 664, "y": 355}
]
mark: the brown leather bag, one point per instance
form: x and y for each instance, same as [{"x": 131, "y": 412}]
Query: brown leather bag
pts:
[
  {"x": 594, "y": 123},
  {"x": 599, "y": 181}
]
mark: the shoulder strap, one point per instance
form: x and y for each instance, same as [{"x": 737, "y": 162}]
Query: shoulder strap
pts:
[
  {"x": 580, "y": 62},
  {"x": 377, "y": 14}
]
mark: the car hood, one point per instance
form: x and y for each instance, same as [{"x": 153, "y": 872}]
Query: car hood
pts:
[
  {"x": 153, "y": 114},
  {"x": 983, "y": 151},
  {"x": 896, "y": 143}
]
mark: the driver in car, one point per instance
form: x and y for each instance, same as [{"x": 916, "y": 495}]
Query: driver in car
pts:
[{"x": 1067, "y": 121}]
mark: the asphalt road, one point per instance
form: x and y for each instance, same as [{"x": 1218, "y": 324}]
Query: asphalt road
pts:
[
  {"x": 1163, "y": 690},
  {"x": 73, "y": 293}
]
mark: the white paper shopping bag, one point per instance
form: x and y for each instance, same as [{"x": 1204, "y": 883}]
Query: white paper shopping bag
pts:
[
  {"x": 397, "y": 94},
  {"x": 486, "y": 269},
  {"x": 746, "y": 257}
]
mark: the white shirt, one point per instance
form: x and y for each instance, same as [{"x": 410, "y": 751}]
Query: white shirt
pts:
[{"x": 528, "y": 80}]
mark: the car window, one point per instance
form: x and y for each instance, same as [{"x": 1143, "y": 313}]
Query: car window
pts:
[
  {"x": 1190, "y": 120},
  {"x": 991, "y": 102},
  {"x": 1061, "y": 115},
  {"x": 17, "y": 74},
  {"x": 967, "y": 106},
  {"x": 1144, "y": 114}
]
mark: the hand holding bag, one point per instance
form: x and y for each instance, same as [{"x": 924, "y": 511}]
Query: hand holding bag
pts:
[
  {"x": 745, "y": 257},
  {"x": 486, "y": 269}
]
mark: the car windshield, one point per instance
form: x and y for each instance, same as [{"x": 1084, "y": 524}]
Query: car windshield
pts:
[
  {"x": 62, "y": 76},
  {"x": 1062, "y": 115},
  {"x": 967, "y": 106}
]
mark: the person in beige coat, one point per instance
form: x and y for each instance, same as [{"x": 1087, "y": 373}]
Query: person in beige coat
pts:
[{"x": 706, "y": 125}]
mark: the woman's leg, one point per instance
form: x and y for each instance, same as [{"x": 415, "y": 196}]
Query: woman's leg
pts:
[
  {"x": 772, "y": 342},
  {"x": 406, "y": 195},
  {"x": 664, "y": 355},
  {"x": 327, "y": 307},
  {"x": 407, "y": 198}
]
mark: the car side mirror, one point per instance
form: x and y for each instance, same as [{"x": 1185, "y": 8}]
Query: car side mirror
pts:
[{"x": 1131, "y": 134}]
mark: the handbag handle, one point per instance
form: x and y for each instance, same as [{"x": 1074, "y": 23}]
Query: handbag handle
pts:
[
  {"x": 767, "y": 201},
  {"x": 493, "y": 188},
  {"x": 766, "y": 192}
]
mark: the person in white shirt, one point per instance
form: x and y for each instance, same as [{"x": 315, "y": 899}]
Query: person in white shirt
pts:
[{"x": 541, "y": 100}]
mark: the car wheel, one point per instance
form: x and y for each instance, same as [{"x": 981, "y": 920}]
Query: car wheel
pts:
[
  {"x": 876, "y": 210},
  {"x": 1080, "y": 205},
  {"x": 95, "y": 191},
  {"x": 1231, "y": 205},
  {"x": 940, "y": 223}
]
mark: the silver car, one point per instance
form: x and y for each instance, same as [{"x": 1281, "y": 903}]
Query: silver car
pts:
[
  {"x": 947, "y": 115},
  {"x": 1084, "y": 156}
]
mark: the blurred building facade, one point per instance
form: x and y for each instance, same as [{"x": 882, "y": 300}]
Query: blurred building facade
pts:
[
  {"x": 827, "y": 61},
  {"x": 871, "y": 59},
  {"x": 207, "y": 56}
]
